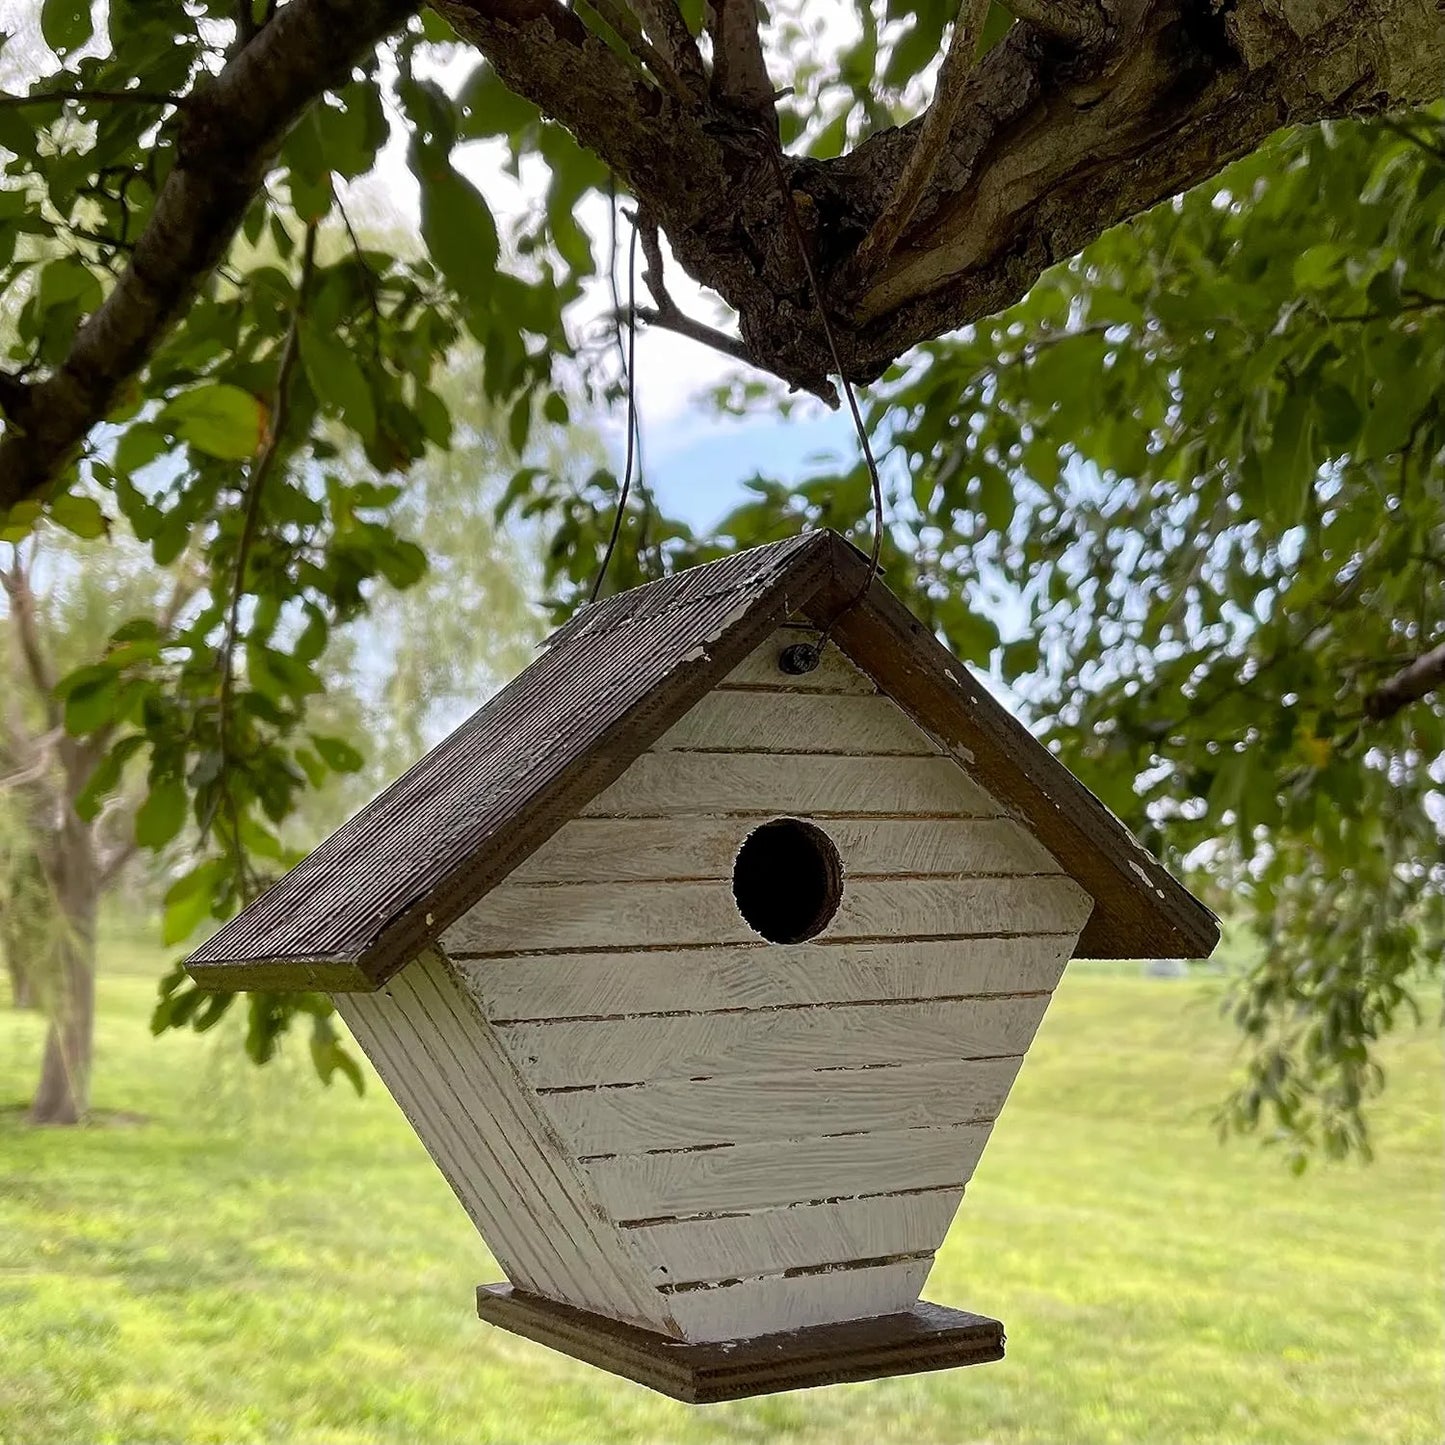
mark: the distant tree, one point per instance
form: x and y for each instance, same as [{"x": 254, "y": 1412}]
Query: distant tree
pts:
[{"x": 69, "y": 830}]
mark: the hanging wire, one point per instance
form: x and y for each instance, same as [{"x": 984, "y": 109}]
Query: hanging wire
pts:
[
  {"x": 804, "y": 657},
  {"x": 627, "y": 355}
]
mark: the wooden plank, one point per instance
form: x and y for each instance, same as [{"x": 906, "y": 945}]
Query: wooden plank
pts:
[
  {"x": 768, "y": 1306},
  {"x": 764, "y": 1176},
  {"x": 442, "y": 1063},
  {"x": 670, "y": 784},
  {"x": 926, "y": 1337},
  {"x": 616, "y": 850},
  {"x": 601, "y": 985},
  {"x": 798, "y": 722},
  {"x": 575, "y": 1052},
  {"x": 680, "y": 1113},
  {"x": 834, "y": 672},
  {"x": 768, "y": 1241},
  {"x": 562, "y": 917}
]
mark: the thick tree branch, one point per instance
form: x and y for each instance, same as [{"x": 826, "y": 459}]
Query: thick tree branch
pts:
[
  {"x": 1052, "y": 140},
  {"x": 1412, "y": 683},
  {"x": 230, "y": 132},
  {"x": 928, "y": 146}
]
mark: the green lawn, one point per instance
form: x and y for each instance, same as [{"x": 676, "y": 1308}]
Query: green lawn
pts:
[{"x": 254, "y": 1259}]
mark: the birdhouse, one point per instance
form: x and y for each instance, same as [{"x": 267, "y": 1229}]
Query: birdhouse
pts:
[{"x": 703, "y": 964}]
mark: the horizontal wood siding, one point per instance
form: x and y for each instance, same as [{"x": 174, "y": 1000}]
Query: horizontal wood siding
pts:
[
  {"x": 800, "y": 722},
  {"x": 666, "y": 784},
  {"x": 758, "y": 1176},
  {"x": 678, "y": 1113},
  {"x": 797, "y": 1236},
  {"x": 564, "y": 917},
  {"x": 572, "y": 1053},
  {"x": 761, "y": 975},
  {"x": 731, "y": 1311},
  {"x": 630, "y": 850}
]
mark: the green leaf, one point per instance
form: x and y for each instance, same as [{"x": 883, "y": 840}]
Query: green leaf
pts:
[
  {"x": 338, "y": 380},
  {"x": 80, "y": 516},
  {"x": 218, "y": 419},
  {"x": 188, "y": 901},
  {"x": 161, "y": 816},
  {"x": 92, "y": 699},
  {"x": 338, "y": 754},
  {"x": 66, "y": 24},
  {"x": 459, "y": 231}
]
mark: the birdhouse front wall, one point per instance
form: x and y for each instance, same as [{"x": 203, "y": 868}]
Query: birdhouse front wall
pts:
[{"x": 654, "y": 1112}]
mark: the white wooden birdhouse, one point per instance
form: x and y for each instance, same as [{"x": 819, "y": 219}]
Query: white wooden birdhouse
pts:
[{"x": 703, "y": 976}]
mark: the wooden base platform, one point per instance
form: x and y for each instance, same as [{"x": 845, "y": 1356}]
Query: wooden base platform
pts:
[{"x": 927, "y": 1337}]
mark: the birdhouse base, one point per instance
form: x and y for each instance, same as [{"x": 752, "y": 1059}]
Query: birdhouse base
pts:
[{"x": 927, "y": 1337}]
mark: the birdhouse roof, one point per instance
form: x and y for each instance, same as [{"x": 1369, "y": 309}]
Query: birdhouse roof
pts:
[{"x": 606, "y": 686}]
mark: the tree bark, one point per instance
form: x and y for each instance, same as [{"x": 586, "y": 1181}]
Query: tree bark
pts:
[
  {"x": 62, "y": 1095},
  {"x": 1086, "y": 113}
]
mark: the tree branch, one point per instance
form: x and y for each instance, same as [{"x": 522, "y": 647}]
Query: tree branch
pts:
[
  {"x": 87, "y": 97},
  {"x": 624, "y": 22},
  {"x": 664, "y": 24},
  {"x": 230, "y": 133},
  {"x": 739, "y": 72},
  {"x": 16, "y": 582},
  {"x": 1412, "y": 683},
  {"x": 1076, "y": 23},
  {"x": 933, "y": 134}
]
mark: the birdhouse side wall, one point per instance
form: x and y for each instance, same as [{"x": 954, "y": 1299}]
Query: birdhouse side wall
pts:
[{"x": 778, "y": 1134}]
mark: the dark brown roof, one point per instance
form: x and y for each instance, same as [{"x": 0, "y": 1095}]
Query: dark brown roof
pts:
[{"x": 607, "y": 685}]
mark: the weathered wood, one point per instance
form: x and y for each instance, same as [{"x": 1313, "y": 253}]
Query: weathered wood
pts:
[
  {"x": 441, "y": 1061},
  {"x": 762, "y": 1176},
  {"x": 600, "y": 985},
  {"x": 800, "y": 722},
  {"x": 678, "y": 1113},
  {"x": 543, "y": 918},
  {"x": 731, "y": 1311},
  {"x": 926, "y": 1337},
  {"x": 686, "y": 784},
  {"x": 616, "y": 850},
  {"x": 834, "y": 672},
  {"x": 570, "y": 1053},
  {"x": 768, "y": 1241}
]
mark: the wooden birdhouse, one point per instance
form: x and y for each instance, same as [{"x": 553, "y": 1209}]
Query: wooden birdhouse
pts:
[{"x": 703, "y": 974}]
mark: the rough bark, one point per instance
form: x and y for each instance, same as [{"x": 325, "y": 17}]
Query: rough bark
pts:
[
  {"x": 1058, "y": 134},
  {"x": 230, "y": 133},
  {"x": 1087, "y": 112}
]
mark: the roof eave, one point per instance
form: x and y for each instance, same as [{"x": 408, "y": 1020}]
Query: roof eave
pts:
[
  {"x": 1140, "y": 909},
  {"x": 421, "y": 922}
]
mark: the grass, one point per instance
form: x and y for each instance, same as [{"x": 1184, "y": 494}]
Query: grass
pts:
[{"x": 255, "y": 1259}]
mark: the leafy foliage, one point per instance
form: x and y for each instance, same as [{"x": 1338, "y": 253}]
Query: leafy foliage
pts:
[{"x": 1187, "y": 500}]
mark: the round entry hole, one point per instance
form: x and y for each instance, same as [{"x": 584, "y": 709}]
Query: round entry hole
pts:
[{"x": 787, "y": 880}]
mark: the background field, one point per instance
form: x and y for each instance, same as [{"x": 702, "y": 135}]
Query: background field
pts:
[{"x": 233, "y": 1256}]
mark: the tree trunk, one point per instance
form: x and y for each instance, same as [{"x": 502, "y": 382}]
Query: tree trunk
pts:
[
  {"x": 22, "y": 990},
  {"x": 63, "y": 1093}
]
